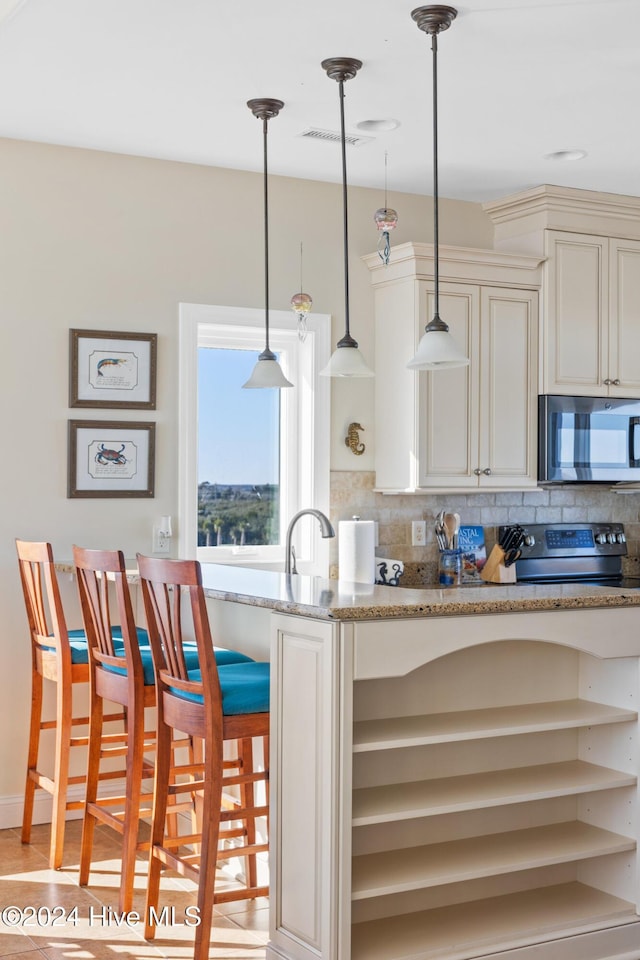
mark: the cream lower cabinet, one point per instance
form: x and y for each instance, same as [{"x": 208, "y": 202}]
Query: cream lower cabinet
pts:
[
  {"x": 592, "y": 315},
  {"x": 468, "y": 428},
  {"x": 456, "y": 787}
]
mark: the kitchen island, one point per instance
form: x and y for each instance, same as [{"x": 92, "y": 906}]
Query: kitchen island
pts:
[{"x": 454, "y": 772}]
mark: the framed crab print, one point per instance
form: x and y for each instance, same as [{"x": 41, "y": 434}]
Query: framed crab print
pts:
[
  {"x": 110, "y": 369},
  {"x": 111, "y": 459}
]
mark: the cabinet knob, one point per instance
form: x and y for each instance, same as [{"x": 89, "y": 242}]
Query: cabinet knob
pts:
[
  {"x": 487, "y": 471},
  {"x": 616, "y": 382},
  {"x": 607, "y": 382},
  {"x": 477, "y": 471}
]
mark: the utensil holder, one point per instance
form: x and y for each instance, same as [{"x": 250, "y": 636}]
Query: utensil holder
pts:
[
  {"x": 494, "y": 570},
  {"x": 450, "y": 568}
]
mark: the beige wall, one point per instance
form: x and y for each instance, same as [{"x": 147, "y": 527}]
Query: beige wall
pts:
[{"x": 97, "y": 240}]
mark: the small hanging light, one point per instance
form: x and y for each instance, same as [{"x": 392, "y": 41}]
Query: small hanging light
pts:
[
  {"x": 301, "y": 304},
  {"x": 386, "y": 220},
  {"x": 267, "y": 371},
  {"x": 346, "y": 360},
  {"x": 437, "y": 348}
]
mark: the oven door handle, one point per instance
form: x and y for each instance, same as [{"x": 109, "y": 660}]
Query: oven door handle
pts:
[{"x": 634, "y": 442}]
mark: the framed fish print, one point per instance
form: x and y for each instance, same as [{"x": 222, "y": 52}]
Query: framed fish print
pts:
[
  {"x": 110, "y": 459},
  {"x": 111, "y": 369}
]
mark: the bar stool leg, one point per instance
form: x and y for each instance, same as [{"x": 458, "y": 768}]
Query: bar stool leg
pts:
[{"x": 32, "y": 755}]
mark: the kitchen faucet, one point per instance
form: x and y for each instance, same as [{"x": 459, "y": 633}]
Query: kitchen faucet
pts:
[{"x": 326, "y": 530}]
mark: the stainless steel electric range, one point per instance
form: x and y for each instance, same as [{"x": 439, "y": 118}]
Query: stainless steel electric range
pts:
[{"x": 572, "y": 552}]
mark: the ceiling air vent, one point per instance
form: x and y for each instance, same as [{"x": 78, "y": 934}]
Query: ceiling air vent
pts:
[{"x": 331, "y": 136}]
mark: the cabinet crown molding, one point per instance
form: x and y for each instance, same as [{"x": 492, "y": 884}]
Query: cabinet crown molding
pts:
[
  {"x": 564, "y": 208},
  {"x": 469, "y": 264}
]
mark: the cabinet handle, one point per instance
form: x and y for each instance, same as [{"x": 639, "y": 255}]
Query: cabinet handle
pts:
[
  {"x": 607, "y": 382},
  {"x": 616, "y": 382},
  {"x": 477, "y": 471},
  {"x": 487, "y": 471}
]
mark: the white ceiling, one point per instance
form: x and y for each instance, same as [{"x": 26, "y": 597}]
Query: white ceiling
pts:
[{"x": 518, "y": 79}]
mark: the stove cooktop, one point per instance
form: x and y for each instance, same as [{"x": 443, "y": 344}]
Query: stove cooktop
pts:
[{"x": 573, "y": 552}]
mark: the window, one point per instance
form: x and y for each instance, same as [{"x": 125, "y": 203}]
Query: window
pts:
[{"x": 250, "y": 459}]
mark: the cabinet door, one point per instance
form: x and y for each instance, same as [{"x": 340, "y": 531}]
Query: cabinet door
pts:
[
  {"x": 576, "y": 336},
  {"x": 624, "y": 318},
  {"x": 508, "y": 387},
  {"x": 448, "y": 422}
]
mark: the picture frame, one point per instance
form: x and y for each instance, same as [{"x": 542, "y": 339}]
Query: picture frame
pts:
[
  {"x": 110, "y": 458},
  {"x": 110, "y": 368}
]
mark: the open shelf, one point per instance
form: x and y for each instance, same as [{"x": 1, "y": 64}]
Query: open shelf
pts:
[
  {"x": 478, "y": 724},
  {"x": 471, "y": 929},
  {"x": 397, "y": 871},
  {"x": 425, "y": 798}
]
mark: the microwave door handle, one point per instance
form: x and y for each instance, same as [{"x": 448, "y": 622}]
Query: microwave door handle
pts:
[{"x": 634, "y": 442}]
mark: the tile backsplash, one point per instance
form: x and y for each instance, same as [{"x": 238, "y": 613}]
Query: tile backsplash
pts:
[{"x": 352, "y": 494}]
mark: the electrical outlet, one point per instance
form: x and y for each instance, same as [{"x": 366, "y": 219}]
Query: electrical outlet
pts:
[
  {"x": 419, "y": 533},
  {"x": 161, "y": 543}
]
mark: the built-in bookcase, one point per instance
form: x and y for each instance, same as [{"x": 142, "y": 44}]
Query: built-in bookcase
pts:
[{"x": 494, "y": 802}]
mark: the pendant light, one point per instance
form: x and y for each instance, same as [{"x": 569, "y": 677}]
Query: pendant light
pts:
[
  {"x": 437, "y": 348},
  {"x": 386, "y": 220},
  {"x": 267, "y": 371},
  {"x": 346, "y": 360},
  {"x": 301, "y": 304}
]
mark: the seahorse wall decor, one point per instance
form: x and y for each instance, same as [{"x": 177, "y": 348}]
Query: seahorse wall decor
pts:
[{"x": 352, "y": 439}]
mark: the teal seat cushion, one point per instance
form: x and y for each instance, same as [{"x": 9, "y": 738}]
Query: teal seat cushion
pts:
[
  {"x": 78, "y": 642},
  {"x": 190, "y": 656},
  {"x": 245, "y": 688}
]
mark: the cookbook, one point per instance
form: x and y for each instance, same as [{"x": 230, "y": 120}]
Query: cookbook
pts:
[{"x": 474, "y": 552}]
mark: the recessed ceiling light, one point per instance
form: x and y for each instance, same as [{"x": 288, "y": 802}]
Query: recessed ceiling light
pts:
[
  {"x": 566, "y": 155},
  {"x": 378, "y": 126},
  {"x": 8, "y": 8}
]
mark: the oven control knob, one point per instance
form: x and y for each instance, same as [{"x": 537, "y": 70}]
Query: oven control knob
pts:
[
  {"x": 601, "y": 538},
  {"x": 621, "y": 537},
  {"x": 529, "y": 540},
  {"x": 611, "y": 538}
]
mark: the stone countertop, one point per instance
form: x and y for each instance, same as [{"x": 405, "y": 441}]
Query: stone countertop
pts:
[{"x": 340, "y": 600}]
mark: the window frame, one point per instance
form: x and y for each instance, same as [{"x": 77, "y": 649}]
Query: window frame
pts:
[{"x": 304, "y": 421}]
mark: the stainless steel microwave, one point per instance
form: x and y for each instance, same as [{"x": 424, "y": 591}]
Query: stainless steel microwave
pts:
[{"x": 588, "y": 440}]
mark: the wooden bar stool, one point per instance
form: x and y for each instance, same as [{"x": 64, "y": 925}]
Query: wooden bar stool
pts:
[
  {"x": 60, "y": 656},
  {"x": 121, "y": 671},
  {"x": 116, "y": 675},
  {"x": 213, "y": 704}
]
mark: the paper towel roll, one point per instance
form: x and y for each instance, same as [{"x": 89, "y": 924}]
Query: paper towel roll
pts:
[{"x": 356, "y": 551}]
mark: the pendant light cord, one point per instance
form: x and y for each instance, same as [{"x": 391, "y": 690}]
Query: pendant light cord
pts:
[
  {"x": 436, "y": 241},
  {"x": 347, "y": 340},
  {"x": 267, "y": 349}
]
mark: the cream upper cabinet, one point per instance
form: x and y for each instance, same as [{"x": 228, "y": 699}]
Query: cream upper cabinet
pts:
[
  {"x": 469, "y": 427},
  {"x": 590, "y": 242},
  {"x": 592, "y": 315}
]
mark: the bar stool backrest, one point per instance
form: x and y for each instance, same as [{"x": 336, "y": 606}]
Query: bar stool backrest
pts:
[
  {"x": 100, "y": 572},
  {"x": 45, "y": 615},
  {"x": 174, "y": 604}
]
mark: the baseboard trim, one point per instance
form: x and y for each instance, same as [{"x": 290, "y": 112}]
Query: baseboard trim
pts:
[{"x": 11, "y": 807}]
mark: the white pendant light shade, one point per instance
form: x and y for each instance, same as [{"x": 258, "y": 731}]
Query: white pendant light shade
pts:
[
  {"x": 266, "y": 373},
  {"x": 346, "y": 362},
  {"x": 437, "y": 349}
]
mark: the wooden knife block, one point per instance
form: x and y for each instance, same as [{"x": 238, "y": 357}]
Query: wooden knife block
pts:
[{"x": 494, "y": 570}]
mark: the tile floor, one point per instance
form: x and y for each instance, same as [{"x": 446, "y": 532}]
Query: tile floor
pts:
[{"x": 91, "y": 932}]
